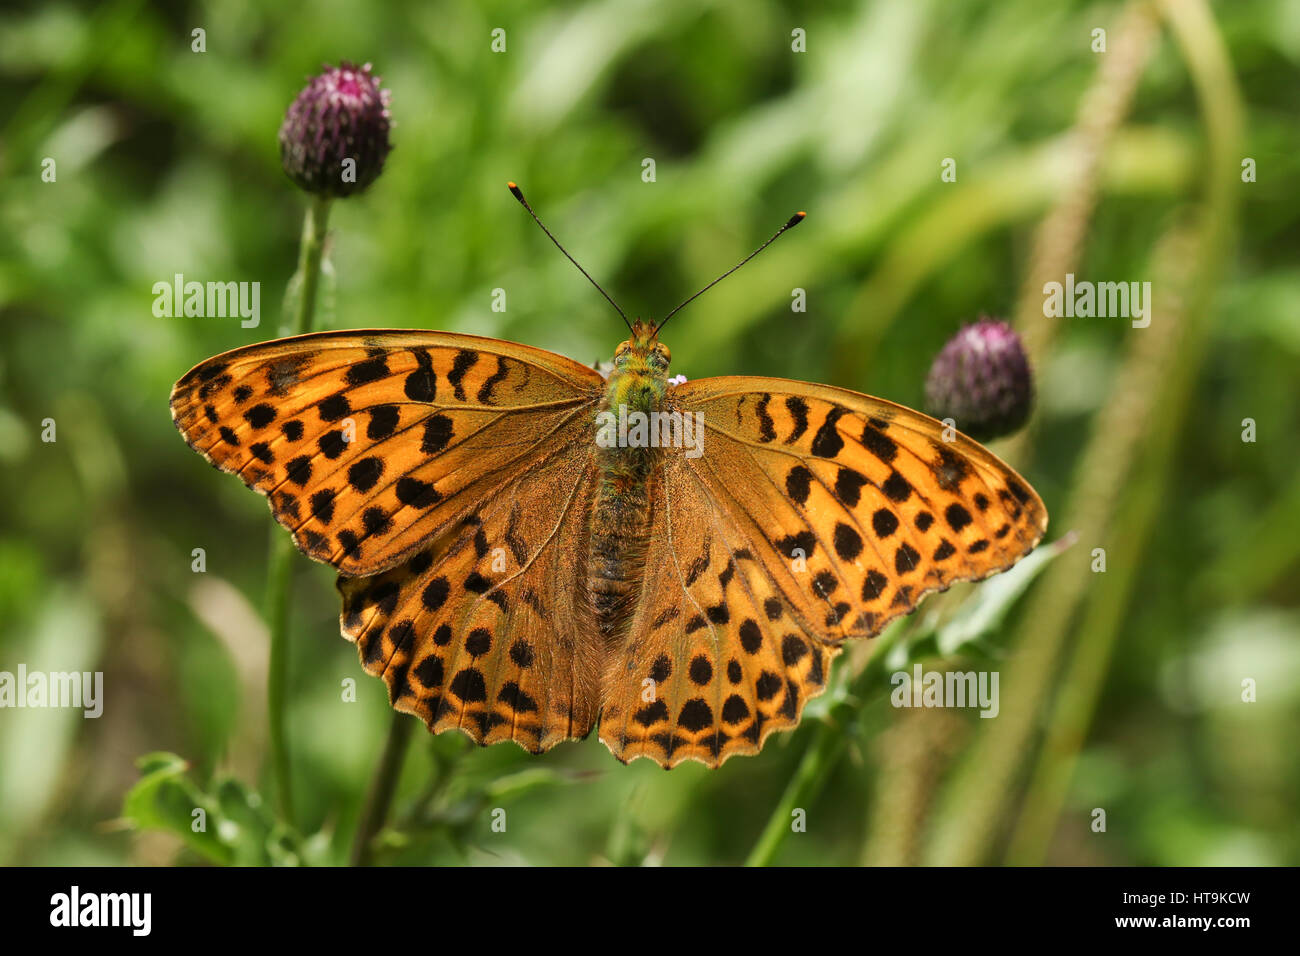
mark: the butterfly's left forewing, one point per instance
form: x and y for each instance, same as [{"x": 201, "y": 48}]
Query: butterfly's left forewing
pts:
[
  {"x": 369, "y": 444},
  {"x": 812, "y": 515}
]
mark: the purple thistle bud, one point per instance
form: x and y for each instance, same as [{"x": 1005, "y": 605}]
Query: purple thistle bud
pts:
[
  {"x": 340, "y": 115},
  {"x": 981, "y": 380}
]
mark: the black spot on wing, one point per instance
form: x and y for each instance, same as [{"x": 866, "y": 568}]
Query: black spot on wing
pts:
[
  {"x": 804, "y": 541},
  {"x": 259, "y": 416},
  {"x": 371, "y": 370},
  {"x": 461, "y": 364},
  {"x": 700, "y": 670},
  {"x": 896, "y": 487},
  {"x": 485, "y": 390},
  {"x": 848, "y": 486},
  {"x": 332, "y": 444},
  {"x": 798, "y": 483},
  {"x": 438, "y": 432},
  {"x": 416, "y": 493},
  {"x": 334, "y": 408},
  {"x": 365, "y": 473},
  {"x": 323, "y": 505},
  {"x": 383, "y": 422},
  {"x": 698, "y": 566},
  {"x": 422, "y": 384},
  {"x": 874, "y": 585},
  {"x": 848, "y": 543},
  {"x": 884, "y": 523},
  {"x": 1018, "y": 491},
  {"x": 469, "y": 685},
  {"x": 695, "y": 715},
  {"x": 828, "y": 442},
  {"x": 798, "y": 409},
  {"x": 283, "y": 374},
  {"x": 957, "y": 516},
  {"x": 767, "y": 431},
  {"x": 949, "y": 470},
  {"x": 208, "y": 372},
  {"x": 878, "y": 443},
  {"x": 906, "y": 559},
  {"x": 662, "y": 669}
]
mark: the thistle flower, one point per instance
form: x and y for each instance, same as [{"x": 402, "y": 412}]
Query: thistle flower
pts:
[
  {"x": 982, "y": 381},
  {"x": 340, "y": 115}
]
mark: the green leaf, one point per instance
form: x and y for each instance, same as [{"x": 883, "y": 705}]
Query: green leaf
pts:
[
  {"x": 166, "y": 799},
  {"x": 235, "y": 828},
  {"x": 988, "y": 606}
]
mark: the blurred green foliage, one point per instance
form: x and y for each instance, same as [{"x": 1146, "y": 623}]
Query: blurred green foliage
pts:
[{"x": 167, "y": 163}]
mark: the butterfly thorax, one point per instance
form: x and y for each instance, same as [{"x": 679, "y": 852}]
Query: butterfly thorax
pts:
[{"x": 620, "y": 516}]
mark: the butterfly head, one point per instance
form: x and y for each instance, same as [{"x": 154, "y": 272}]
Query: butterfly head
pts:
[{"x": 643, "y": 352}]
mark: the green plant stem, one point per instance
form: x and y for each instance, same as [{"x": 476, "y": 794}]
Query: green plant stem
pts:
[
  {"x": 300, "y": 309},
  {"x": 299, "y": 315},
  {"x": 279, "y": 572},
  {"x": 823, "y": 753},
  {"x": 382, "y": 787}
]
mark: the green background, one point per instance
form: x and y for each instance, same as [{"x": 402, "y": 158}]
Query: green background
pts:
[{"x": 1120, "y": 691}]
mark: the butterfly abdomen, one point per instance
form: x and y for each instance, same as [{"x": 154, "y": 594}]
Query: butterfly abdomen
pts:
[
  {"x": 616, "y": 554},
  {"x": 620, "y": 518}
]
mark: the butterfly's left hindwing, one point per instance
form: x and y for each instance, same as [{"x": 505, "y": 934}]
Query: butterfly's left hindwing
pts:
[
  {"x": 489, "y": 631},
  {"x": 370, "y": 444}
]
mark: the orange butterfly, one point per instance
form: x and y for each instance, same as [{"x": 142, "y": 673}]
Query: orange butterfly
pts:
[{"x": 526, "y": 547}]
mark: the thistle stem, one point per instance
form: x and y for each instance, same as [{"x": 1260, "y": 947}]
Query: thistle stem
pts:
[
  {"x": 299, "y": 311},
  {"x": 828, "y": 745},
  {"x": 818, "y": 760},
  {"x": 279, "y": 568},
  {"x": 382, "y": 789}
]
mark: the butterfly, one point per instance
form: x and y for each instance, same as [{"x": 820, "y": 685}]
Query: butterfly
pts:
[{"x": 528, "y": 549}]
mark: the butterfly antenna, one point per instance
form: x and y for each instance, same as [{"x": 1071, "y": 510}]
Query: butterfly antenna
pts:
[
  {"x": 519, "y": 194},
  {"x": 790, "y": 224}
]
